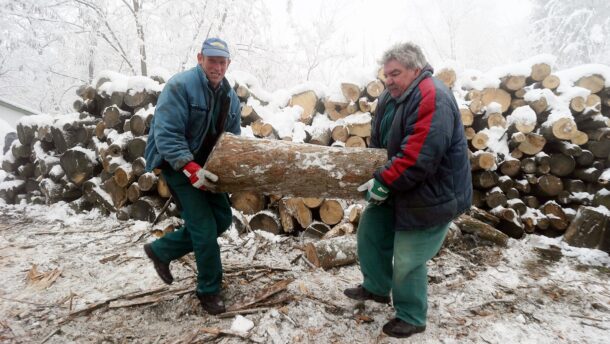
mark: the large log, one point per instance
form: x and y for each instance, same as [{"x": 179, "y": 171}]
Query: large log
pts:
[
  {"x": 481, "y": 229},
  {"x": 332, "y": 252},
  {"x": 291, "y": 169},
  {"x": 590, "y": 228}
]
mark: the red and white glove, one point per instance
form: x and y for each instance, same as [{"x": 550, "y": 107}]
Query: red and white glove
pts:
[{"x": 200, "y": 178}]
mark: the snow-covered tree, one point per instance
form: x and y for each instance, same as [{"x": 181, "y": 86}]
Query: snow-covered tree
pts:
[{"x": 576, "y": 31}]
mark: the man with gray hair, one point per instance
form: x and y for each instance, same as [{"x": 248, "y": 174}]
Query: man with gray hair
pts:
[{"x": 425, "y": 183}]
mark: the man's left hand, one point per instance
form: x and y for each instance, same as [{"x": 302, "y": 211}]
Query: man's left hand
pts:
[{"x": 376, "y": 192}]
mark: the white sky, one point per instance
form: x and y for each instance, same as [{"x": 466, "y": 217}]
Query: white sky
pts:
[{"x": 373, "y": 26}]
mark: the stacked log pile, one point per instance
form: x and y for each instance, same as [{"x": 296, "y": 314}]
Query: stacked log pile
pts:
[{"x": 539, "y": 150}]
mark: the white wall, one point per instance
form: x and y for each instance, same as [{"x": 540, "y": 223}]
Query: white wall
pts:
[{"x": 10, "y": 116}]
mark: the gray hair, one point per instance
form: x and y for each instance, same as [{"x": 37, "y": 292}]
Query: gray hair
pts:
[{"x": 407, "y": 54}]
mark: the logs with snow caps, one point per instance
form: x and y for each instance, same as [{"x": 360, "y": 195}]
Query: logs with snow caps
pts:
[
  {"x": 79, "y": 164},
  {"x": 291, "y": 169},
  {"x": 308, "y": 101}
]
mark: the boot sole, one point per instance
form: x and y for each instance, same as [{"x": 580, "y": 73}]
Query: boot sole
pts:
[
  {"x": 378, "y": 299},
  {"x": 151, "y": 255}
]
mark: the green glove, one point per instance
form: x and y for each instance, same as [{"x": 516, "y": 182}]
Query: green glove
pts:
[{"x": 375, "y": 191}]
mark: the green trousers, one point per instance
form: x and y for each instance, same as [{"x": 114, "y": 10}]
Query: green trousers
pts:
[
  {"x": 407, "y": 277},
  {"x": 206, "y": 216}
]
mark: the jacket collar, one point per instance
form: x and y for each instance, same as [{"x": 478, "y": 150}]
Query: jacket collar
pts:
[{"x": 425, "y": 72}]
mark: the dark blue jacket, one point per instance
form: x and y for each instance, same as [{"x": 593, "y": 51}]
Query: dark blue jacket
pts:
[
  {"x": 183, "y": 118},
  {"x": 428, "y": 170}
]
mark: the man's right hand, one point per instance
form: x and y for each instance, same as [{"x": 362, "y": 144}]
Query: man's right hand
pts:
[{"x": 199, "y": 178}]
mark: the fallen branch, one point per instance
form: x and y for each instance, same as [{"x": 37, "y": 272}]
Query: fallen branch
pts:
[{"x": 263, "y": 295}]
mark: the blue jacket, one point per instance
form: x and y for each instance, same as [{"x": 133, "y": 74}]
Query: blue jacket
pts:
[
  {"x": 428, "y": 170},
  {"x": 183, "y": 119}
]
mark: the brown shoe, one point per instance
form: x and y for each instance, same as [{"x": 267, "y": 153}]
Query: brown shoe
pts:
[
  {"x": 401, "y": 329},
  {"x": 161, "y": 268},
  {"x": 212, "y": 303},
  {"x": 361, "y": 294}
]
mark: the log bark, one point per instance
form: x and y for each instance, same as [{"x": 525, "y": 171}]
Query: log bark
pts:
[
  {"x": 134, "y": 192},
  {"x": 148, "y": 181},
  {"x": 316, "y": 230},
  {"x": 135, "y": 148},
  {"x": 482, "y": 161},
  {"x": 248, "y": 115},
  {"x": 26, "y": 133},
  {"x": 590, "y": 228},
  {"x": 139, "y": 99},
  {"x": 484, "y": 179},
  {"x": 328, "y": 172},
  {"x": 139, "y": 123},
  {"x": 117, "y": 193},
  {"x": 469, "y": 225},
  {"x": 123, "y": 176},
  {"x": 332, "y": 252},
  {"x": 78, "y": 165},
  {"x": 562, "y": 165},
  {"x": 510, "y": 222},
  {"x": 336, "y": 110},
  {"x": 297, "y": 209},
  {"x": 510, "y": 167},
  {"x": 556, "y": 214},
  {"x": 549, "y": 185},
  {"x": 354, "y": 213},
  {"x": 114, "y": 118},
  {"x": 146, "y": 208}
]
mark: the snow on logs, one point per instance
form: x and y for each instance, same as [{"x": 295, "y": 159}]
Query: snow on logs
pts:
[
  {"x": 540, "y": 142},
  {"x": 291, "y": 169}
]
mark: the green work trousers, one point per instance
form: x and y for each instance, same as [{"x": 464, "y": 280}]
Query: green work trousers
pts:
[
  {"x": 206, "y": 216},
  {"x": 407, "y": 277}
]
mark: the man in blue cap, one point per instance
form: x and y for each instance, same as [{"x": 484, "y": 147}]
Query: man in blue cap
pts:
[{"x": 194, "y": 108}]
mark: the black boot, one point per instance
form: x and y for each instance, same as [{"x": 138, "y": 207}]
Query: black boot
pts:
[
  {"x": 401, "y": 329},
  {"x": 212, "y": 303},
  {"x": 361, "y": 294},
  {"x": 161, "y": 268}
]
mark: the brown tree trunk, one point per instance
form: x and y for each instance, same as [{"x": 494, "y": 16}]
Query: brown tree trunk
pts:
[{"x": 246, "y": 164}]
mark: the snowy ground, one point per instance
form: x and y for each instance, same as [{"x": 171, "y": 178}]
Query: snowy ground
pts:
[{"x": 536, "y": 291}]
